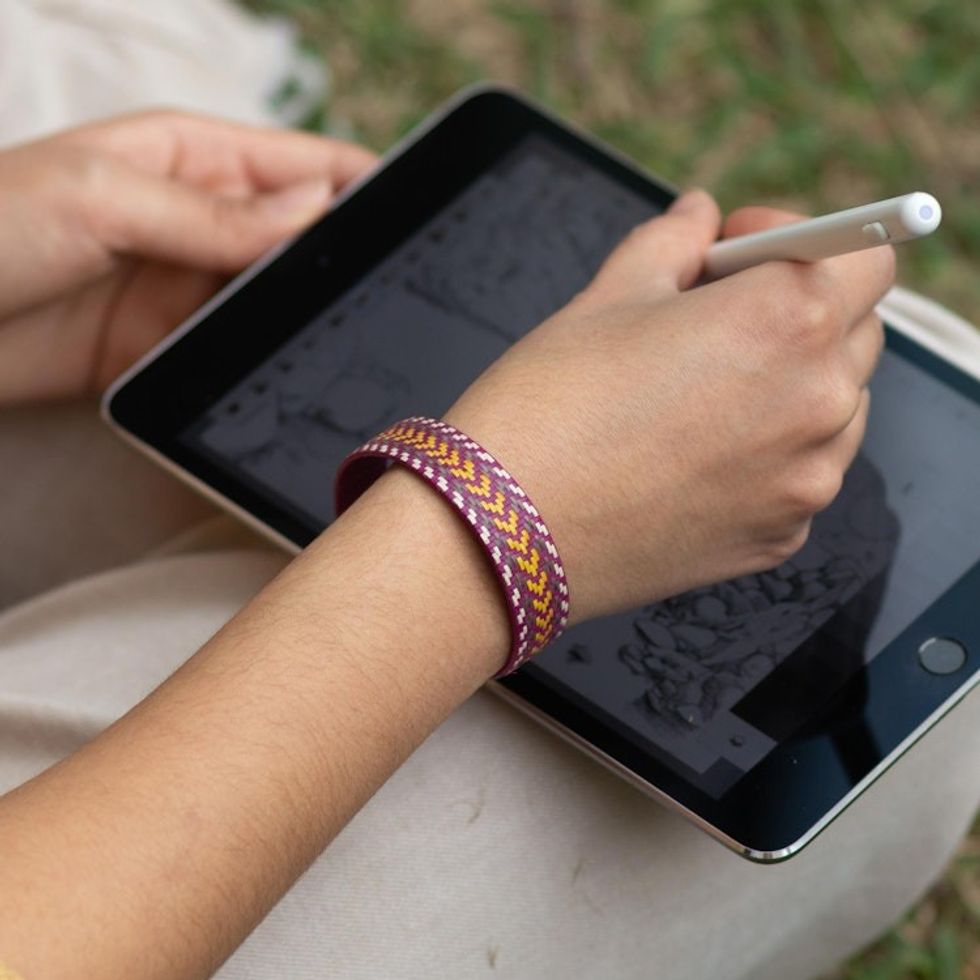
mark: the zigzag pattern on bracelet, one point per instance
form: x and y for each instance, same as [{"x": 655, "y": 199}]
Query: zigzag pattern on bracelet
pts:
[{"x": 508, "y": 525}]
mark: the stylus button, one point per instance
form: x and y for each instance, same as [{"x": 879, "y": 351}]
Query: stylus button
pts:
[
  {"x": 941, "y": 655},
  {"x": 875, "y": 232}
]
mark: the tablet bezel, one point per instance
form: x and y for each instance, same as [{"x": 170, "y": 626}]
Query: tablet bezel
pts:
[{"x": 801, "y": 786}]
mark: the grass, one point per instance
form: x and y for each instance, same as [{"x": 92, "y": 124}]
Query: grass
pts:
[
  {"x": 809, "y": 104},
  {"x": 939, "y": 939}
]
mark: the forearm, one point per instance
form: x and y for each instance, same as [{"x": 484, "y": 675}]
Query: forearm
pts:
[{"x": 154, "y": 850}]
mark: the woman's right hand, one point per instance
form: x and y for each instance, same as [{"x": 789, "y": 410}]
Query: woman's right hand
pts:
[{"x": 673, "y": 436}]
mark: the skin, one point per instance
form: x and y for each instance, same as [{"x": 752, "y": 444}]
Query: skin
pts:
[
  {"x": 114, "y": 232},
  {"x": 709, "y": 425}
]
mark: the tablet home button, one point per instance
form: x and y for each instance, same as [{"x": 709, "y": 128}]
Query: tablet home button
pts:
[{"x": 941, "y": 655}]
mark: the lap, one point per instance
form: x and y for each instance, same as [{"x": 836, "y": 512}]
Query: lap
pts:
[
  {"x": 76, "y": 500},
  {"x": 496, "y": 847}
]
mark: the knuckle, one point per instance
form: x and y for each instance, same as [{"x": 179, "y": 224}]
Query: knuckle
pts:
[
  {"x": 783, "y": 548},
  {"x": 795, "y": 541},
  {"x": 828, "y": 399},
  {"x": 813, "y": 489},
  {"x": 85, "y": 181},
  {"x": 226, "y": 219},
  {"x": 236, "y": 231},
  {"x": 836, "y": 403},
  {"x": 86, "y": 169},
  {"x": 815, "y": 317},
  {"x": 818, "y": 320},
  {"x": 801, "y": 309}
]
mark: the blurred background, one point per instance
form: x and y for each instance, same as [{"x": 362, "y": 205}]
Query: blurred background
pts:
[{"x": 813, "y": 105}]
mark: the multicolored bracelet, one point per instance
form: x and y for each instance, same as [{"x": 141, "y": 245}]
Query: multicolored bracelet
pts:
[{"x": 507, "y": 524}]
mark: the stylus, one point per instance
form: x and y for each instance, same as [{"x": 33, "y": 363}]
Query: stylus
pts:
[{"x": 899, "y": 219}]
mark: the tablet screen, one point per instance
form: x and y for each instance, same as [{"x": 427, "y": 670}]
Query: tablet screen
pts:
[
  {"x": 708, "y": 682},
  {"x": 514, "y": 247}
]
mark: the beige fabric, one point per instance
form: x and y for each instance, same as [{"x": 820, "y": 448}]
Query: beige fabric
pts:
[
  {"x": 76, "y": 501},
  {"x": 63, "y": 62},
  {"x": 497, "y": 849}
]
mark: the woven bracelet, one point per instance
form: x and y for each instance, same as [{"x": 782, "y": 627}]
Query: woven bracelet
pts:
[{"x": 500, "y": 513}]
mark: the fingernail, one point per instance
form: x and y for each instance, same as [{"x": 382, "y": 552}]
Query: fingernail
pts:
[
  {"x": 688, "y": 201},
  {"x": 299, "y": 201}
]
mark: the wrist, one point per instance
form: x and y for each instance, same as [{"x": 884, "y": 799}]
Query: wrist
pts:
[
  {"x": 489, "y": 501},
  {"x": 409, "y": 552},
  {"x": 535, "y": 462}
]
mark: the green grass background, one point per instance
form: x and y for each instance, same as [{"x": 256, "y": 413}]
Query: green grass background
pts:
[
  {"x": 811, "y": 104},
  {"x": 814, "y": 105}
]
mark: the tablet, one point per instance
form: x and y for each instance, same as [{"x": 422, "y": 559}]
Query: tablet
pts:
[{"x": 758, "y": 707}]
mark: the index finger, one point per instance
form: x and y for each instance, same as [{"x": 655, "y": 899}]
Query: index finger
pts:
[
  {"x": 664, "y": 254},
  {"x": 851, "y": 284},
  {"x": 223, "y": 156}
]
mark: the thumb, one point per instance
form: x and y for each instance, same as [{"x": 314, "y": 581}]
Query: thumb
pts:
[
  {"x": 666, "y": 253},
  {"x": 161, "y": 218},
  {"x": 747, "y": 220}
]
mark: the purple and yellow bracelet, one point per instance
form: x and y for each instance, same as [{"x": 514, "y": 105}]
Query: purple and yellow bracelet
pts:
[{"x": 506, "y": 523}]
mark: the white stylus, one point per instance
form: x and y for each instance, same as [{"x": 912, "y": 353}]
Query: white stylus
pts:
[{"x": 899, "y": 219}]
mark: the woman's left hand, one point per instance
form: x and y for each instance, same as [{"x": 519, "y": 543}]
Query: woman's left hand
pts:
[{"x": 111, "y": 234}]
